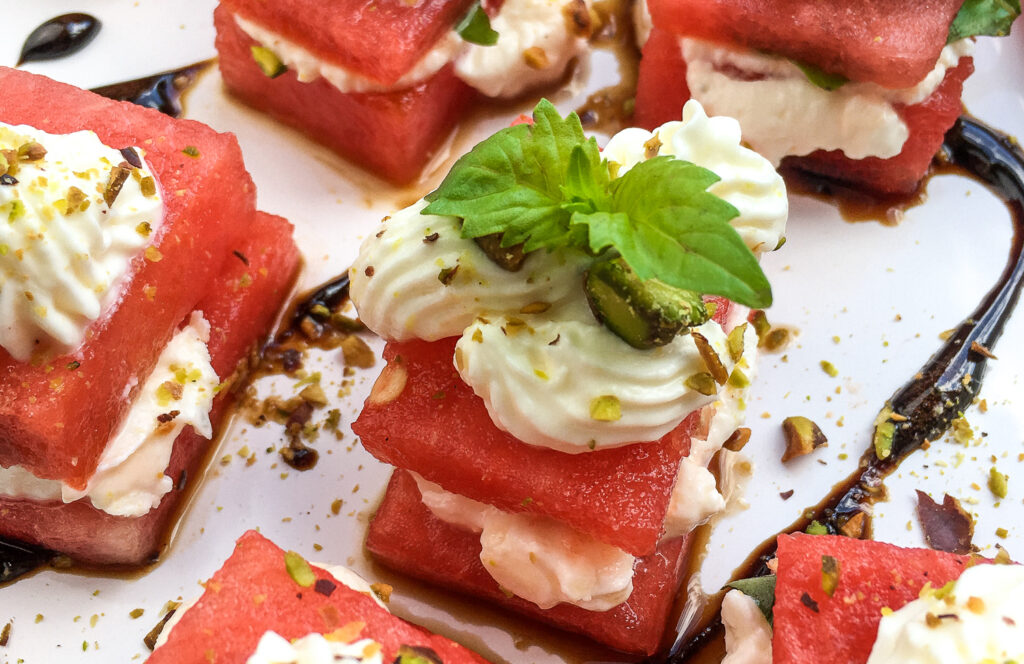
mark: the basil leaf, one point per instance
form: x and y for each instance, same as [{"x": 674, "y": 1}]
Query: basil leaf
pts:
[
  {"x": 822, "y": 78},
  {"x": 761, "y": 589},
  {"x": 475, "y": 27},
  {"x": 984, "y": 17}
]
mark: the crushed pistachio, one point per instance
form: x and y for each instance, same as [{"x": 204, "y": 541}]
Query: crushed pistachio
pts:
[
  {"x": 734, "y": 342},
  {"x": 803, "y": 436},
  {"x": 606, "y": 408},
  {"x": 829, "y": 575},
  {"x": 702, "y": 383},
  {"x": 885, "y": 432},
  {"x": 829, "y": 368},
  {"x": 816, "y": 528},
  {"x": 447, "y": 274},
  {"x": 739, "y": 438},
  {"x": 738, "y": 379},
  {"x": 536, "y": 58},
  {"x": 136, "y": 613},
  {"x": 191, "y": 151},
  {"x": 299, "y": 569},
  {"x": 997, "y": 483},
  {"x": 712, "y": 361},
  {"x": 268, "y": 61}
]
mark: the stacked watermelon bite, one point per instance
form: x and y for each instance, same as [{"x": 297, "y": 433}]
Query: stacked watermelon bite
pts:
[
  {"x": 886, "y": 43},
  {"x": 263, "y": 589},
  {"x": 214, "y": 253},
  {"x": 392, "y": 128}
]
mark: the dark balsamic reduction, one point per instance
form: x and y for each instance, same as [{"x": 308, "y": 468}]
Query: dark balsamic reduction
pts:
[
  {"x": 162, "y": 91},
  {"x": 944, "y": 387},
  {"x": 59, "y": 37}
]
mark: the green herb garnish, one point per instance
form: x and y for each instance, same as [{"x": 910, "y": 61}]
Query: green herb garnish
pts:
[
  {"x": 299, "y": 569},
  {"x": 761, "y": 589},
  {"x": 546, "y": 186},
  {"x": 983, "y": 17},
  {"x": 822, "y": 78},
  {"x": 475, "y": 27}
]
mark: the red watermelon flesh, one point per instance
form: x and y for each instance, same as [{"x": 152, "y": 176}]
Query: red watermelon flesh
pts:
[
  {"x": 392, "y": 134},
  {"x": 928, "y": 122},
  {"x": 56, "y": 421},
  {"x": 253, "y": 593},
  {"x": 894, "y": 43},
  {"x": 662, "y": 91},
  {"x": 240, "y": 317},
  {"x": 381, "y": 40},
  {"x": 439, "y": 428},
  {"x": 404, "y": 528},
  {"x": 872, "y": 575}
]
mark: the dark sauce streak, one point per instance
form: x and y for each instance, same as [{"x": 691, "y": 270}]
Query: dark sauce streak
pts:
[
  {"x": 18, "y": 559},
  {"x": 944, "y": 387},
  {"x": 163, "y": 91},
  {"x": 59, "y": 37}
]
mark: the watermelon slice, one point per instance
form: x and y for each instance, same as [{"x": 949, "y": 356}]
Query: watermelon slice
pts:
[
  {"x": 404, "y": 528},
  {"x": 240, "y": 308},
  {"x": 56, "y": 421},
  {"x": 392, "y": 134},
  {"x": 381, "y": 40},
  {"x": 662, "y": 91},
  {"x": 890, "y": 42},
  {"x": 254, "y": 593},
  {"x": 872, "y": 575},
  {"x": 928, "y": 122},
  {"x": 438, "y": 428}
]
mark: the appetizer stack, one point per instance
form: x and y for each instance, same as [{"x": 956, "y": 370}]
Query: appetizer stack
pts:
[
  {"x": 863, "y": 95},
  {"x": 268, "y": 606},
  {"x": 136, "y": 277},
  {"x": 557, "y": 383},
  {"x": 845, "y": 600},
  {"x": 384, "y": 86}
]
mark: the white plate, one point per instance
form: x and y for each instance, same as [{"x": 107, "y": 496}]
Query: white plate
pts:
[{"x": 832, "y": 280}]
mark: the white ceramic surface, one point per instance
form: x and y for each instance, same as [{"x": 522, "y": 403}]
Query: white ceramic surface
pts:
[{"x": 840, "y": 285}]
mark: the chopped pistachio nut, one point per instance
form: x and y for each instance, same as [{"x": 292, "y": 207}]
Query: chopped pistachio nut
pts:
[
  {"x": 829, "y": 368},
  {"x": 802, "y": 437},
  {"x": 606, "y": 408},
  {"x": 734, "y": 342},
  {"x": 997, "y": 483},
  {"x": 817, "y": 528},
  {"x": 536, "y": 58},
  {"x": 738, "y": 379},
  {"x": 829, "y": 575},
  {"x": 136, "y": 613},
  {"x": 191, "y": 151},
  {"x": 885, "y": 432},
  {"x": 712, "y": 361},
  {"x": 739, "y": 438},
  {"x": 268, "y": 61},
  {"x": 702, "y": 383},
  {"x": 299, "y": 569}
]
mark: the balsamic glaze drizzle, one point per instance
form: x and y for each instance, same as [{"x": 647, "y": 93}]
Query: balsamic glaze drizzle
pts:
[
  {"x": 943, "y": 388},
  {"x": 59, "y": 37},
  {"x": 161, "y": 91}
]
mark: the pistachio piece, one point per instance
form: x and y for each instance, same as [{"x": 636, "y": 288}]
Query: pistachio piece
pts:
[{"x": 802, "y": 437}]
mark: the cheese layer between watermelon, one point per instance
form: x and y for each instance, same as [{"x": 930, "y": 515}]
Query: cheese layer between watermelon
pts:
[
  {"x": 872, "y": 575},
  {"x": 894, "y": 43},
  {"x": 404, "y": 529},
  {"x": 253, "y": 593},
  {"x": 392, "y": 134},
  {"x": 55, "y": 421},
  {"x": 241, "y": 306},
  {"x": 662, "y": 91},
  {"x": 380, "y": 40}
]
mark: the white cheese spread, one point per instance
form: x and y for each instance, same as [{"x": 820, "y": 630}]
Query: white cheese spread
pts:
[
  {"x": 748, "y": 637},
  {"x": 541, "y": 376},
  {"x": 980, "y": 619},
  {"x": 783, "y": 113},
  {"x": 64, "y": 252},
  {"x": 537, "y": 27},
  {"x": 129, "y": 479},
  {"x": 314, "y": 649},
  {"x": 536, "y": 558}
]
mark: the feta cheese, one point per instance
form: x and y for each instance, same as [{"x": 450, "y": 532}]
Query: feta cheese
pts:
[{"x": 65, "y": 254}]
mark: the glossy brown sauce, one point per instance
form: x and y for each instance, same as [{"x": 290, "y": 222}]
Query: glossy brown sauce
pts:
[
  {"x": 164, "y": 92},
  {"x": 610, "y": 109}
]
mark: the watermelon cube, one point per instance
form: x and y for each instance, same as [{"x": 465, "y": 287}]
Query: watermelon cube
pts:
[
  {"x": 392, "y": 133},
  {"x": 872, "y": 575},
  {"x": 404, "y": 528},
  {"x": 57, "y": 413},
  {"x": 254, "y": 593},
  {"x": 662, "y": 91},
  {"x": 240, "y": 306},
  {"x": 890, "y": 42}
]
